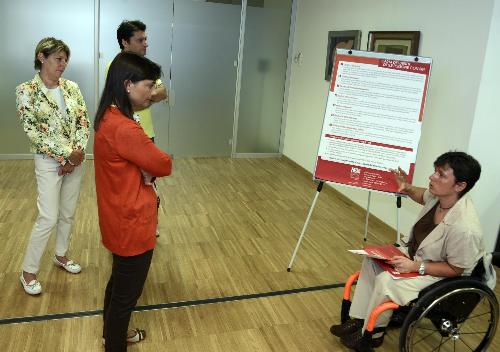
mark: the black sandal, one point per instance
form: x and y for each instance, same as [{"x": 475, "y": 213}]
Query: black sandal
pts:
[{"x": 138, "y": 336}]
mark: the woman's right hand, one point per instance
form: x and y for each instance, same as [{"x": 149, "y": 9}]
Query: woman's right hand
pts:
[
  {"x": 402, "y": 180},
  {"x": 76, "y": 157}
]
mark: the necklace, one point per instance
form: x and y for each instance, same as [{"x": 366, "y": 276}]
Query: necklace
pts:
[{"x": 443, "y": 209}]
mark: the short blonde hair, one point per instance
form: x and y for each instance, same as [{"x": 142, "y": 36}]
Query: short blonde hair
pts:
[{"x": 48, "y": 46}]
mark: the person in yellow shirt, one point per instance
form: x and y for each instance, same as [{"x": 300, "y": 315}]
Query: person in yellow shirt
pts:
[{"x": 131, "y": 36}]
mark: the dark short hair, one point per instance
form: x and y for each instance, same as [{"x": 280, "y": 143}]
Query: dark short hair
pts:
[
  {"x": 126, "y": 66},
  {"x": 465, "y": 168},
  {"x": 48, "y": 46},
  {"x": 126, "y": 30}
]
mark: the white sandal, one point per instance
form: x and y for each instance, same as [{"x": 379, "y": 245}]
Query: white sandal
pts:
[
  {"x": 70, "y": 266},
  {"x": 33, "y": 287}
]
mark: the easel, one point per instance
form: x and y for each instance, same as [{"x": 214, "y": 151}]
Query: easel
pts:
[
  {"x": 318, "y": 190},
  {"x": 345, "y": 153}
]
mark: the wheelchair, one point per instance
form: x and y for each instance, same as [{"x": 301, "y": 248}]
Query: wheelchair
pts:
[{"x": 454, "y": 314}]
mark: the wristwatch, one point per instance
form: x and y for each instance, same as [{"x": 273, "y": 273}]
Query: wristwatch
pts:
[{"x": 421, "y": 268}]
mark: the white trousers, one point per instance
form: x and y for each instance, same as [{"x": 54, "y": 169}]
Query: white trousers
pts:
[
  {"x": 57, "y": 200},
  {"x": 376, "y": 286}
]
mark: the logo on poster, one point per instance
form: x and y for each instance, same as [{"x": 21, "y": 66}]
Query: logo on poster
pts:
[{"x": 355, "y": 173}]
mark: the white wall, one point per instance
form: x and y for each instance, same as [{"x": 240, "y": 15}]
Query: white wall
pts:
[
  {"x": 484, "y": 142},
  {"x": 453, "y": 32}
]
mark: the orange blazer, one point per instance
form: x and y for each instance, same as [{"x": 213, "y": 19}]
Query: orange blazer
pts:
[{"x": 126, "y": 206}]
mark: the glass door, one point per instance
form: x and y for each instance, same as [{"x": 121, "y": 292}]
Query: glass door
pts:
[
  {"x": 204, "y": 64},
  {"x": 24, "y": 23},
  {"x": 265, "y": 53},
  {"x": 196, "y": 43}
]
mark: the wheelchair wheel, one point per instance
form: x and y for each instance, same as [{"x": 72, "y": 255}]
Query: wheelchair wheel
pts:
[{"x": 460, "y": 315}]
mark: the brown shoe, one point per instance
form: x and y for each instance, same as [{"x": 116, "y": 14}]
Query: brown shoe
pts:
[
  {"x": 347, "y": 328},
  {"x": 356, "y": 341}
]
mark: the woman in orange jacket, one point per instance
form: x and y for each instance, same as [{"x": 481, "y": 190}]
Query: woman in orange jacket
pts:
[{"x": 125, "y": 159}]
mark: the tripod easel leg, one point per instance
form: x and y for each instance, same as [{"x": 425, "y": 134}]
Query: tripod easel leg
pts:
[
  {"x": 398, "y": 207},
  {"x": 318, "y": 190},
  {"x": 367, "y": 215}
]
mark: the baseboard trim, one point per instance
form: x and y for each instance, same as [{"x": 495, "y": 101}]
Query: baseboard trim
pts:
[
  {"x": 257, "y": 155},
  {"x": 30, "y": 156},
  {"x": 16, "y": 156}
]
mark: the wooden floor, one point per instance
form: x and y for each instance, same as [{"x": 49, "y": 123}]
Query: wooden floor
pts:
[{"x": 228, "y": 228}]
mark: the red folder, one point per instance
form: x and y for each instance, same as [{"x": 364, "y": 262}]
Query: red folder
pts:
[
  {"x": 381, "y": 253},
  {"x": 385, "y": 251}
]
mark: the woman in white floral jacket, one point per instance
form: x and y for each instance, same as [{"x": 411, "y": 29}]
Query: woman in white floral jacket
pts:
[{"x": 54, "y": 117}]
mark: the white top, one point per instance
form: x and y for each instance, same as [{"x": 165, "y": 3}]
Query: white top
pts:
[{"x": 56, "y": 93}]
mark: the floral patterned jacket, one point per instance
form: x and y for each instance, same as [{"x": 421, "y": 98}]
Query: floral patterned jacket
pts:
[{"x": 49, "y": 131}]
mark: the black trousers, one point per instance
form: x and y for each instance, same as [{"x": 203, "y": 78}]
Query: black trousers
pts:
[{"x": 122, "y": 292}]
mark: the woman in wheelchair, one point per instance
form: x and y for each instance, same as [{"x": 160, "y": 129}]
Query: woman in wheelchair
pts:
[{"x": 446, "y": 241}]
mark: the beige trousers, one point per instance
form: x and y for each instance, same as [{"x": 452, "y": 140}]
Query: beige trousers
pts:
[
  {"x": 57, "y": 200},
  {"x": 376, "y": 286}
]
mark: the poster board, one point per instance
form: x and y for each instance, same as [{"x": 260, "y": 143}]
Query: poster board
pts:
[{"x": 373, "y": 119}]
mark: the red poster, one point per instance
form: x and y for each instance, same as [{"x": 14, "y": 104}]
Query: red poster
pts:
[{"x": 373, "y": 119}]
